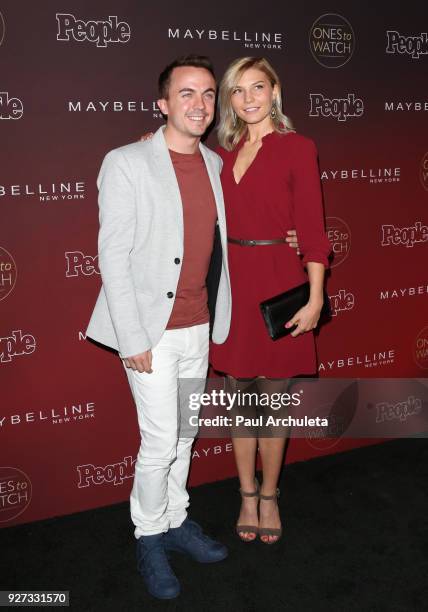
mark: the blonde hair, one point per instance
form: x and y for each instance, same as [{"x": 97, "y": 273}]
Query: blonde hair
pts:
[{"x": 231, "y": 128}]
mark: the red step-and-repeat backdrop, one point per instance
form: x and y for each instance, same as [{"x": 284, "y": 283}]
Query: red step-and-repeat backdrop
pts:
[{"x": 78, "y": 79}]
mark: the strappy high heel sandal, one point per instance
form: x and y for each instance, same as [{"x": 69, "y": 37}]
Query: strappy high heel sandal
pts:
[
  {"x": 248, "y": 528},
  {"x": 270, "y": 531}
]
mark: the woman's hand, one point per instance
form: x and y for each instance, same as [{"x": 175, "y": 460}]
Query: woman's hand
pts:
[{"x": 306, "y": 318}]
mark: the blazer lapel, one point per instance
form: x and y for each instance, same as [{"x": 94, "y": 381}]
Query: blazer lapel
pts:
[
  {"x": 167, "y": 178},
  {"x": 214, "y": 177}
]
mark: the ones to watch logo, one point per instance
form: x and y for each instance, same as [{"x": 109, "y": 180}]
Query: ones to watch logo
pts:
[
  {"x": 10, "y": 108},
  {"x": 420, "y": 349},
  {"x": 331, "y": 40},
  {"x": 339, "y": 235},
  {"x": 8, "y": 273},
  {"x": 338, "y": 108},
  {"x": 15, "y": 345},
  {"x": 423, "y": 172},
  {"x": 2, "y": 29},
  {"x": 15, "y": 493},
  {"x": 414, "y": 46},
  {"x": 100, "y": 32}
]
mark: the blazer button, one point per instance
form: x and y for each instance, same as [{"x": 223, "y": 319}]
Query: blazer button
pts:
[
  {"x": 177, "y": 260},
  {"x": 170, "y": 294}
]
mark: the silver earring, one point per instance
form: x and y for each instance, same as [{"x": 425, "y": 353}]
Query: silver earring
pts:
[
  {"x": 273, "y": 110},
  {"x": 234, "y": 118}
]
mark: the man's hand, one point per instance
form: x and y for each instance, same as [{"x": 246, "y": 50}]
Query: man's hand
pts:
[
  {"x": 146, "y": 136},
  {"x": 292, "y": 240},
  {"x": 141, "y": 362}
]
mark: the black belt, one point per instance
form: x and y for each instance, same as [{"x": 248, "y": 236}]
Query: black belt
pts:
[{"x": 256, "y": 242}]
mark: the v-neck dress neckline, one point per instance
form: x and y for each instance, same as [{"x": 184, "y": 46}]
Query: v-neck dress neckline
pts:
[{"x": 238, "y": 148}]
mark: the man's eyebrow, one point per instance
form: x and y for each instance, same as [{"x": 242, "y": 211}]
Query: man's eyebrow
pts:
[{"x": 192, "y": 90}]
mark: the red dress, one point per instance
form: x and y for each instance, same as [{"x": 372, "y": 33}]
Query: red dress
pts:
[{"x": 279, "y": 191}]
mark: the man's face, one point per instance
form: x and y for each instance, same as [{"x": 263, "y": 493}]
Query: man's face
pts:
[{"x": 191, "y": 101}]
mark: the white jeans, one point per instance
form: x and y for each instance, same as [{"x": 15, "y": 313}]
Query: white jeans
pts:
[{"x": 159, "y": 497}]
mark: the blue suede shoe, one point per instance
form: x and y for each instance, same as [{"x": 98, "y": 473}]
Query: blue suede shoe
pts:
[
  {"x": 189, "y": 539},
  {"x": 152, "y": 563}
]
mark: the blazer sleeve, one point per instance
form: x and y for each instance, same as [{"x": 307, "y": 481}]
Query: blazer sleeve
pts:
[
  {"x": 307, "y": 202},
  {"x": 117, "y": 213}
]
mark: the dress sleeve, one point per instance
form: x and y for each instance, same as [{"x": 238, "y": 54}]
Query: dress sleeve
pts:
[
  {"x": 221, "y": 153},
  {"x": 307, "y": 202}
]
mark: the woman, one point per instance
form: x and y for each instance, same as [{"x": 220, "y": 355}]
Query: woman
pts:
[{"x": 271, "y": 184}]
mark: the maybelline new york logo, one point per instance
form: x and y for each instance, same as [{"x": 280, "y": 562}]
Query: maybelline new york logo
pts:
[
  {"x": 10, "y": 108},
  {"x": 413, "y": 46},
  {"x": 340, "y": 109},
  {"x": 368, "y": 360},
  {"x": 54, "y": 416},
  {"x": 100, "y": 32},
  {"x": 403, "y": 292},
  {"x": 15, "y": 345},
  {"x": 114, "y": 106},
  {"x": 373, "y": 175},
  {"x": 46, "y": 192},
  {"x": 407, "y": 106},
  {"x": 250, "y": 40},
  {"x": 78, "y": 263},
  {"x": 404, "y": 236}
]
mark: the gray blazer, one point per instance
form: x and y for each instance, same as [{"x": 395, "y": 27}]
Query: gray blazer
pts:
[{"x": 141, "y": 234}]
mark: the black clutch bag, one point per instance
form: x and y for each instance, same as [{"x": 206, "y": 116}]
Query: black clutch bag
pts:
[{"x": 281, "y": 308}]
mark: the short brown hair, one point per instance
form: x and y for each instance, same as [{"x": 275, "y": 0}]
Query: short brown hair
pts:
[{"x": 198, "y": 61}]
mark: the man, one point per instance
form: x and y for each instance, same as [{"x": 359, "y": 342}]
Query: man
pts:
[{"x": 160, "y": 201}]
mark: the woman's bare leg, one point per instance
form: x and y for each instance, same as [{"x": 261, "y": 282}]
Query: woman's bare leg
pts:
[
  {"x": 245, "y": 450},
  {"x": 272, "y": 454}
]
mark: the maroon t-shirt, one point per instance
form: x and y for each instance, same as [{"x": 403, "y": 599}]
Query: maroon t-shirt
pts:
[{"x": 199, "y": 218}]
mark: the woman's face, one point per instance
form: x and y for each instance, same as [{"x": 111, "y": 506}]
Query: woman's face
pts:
[{"x": 252, "y": 96}]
